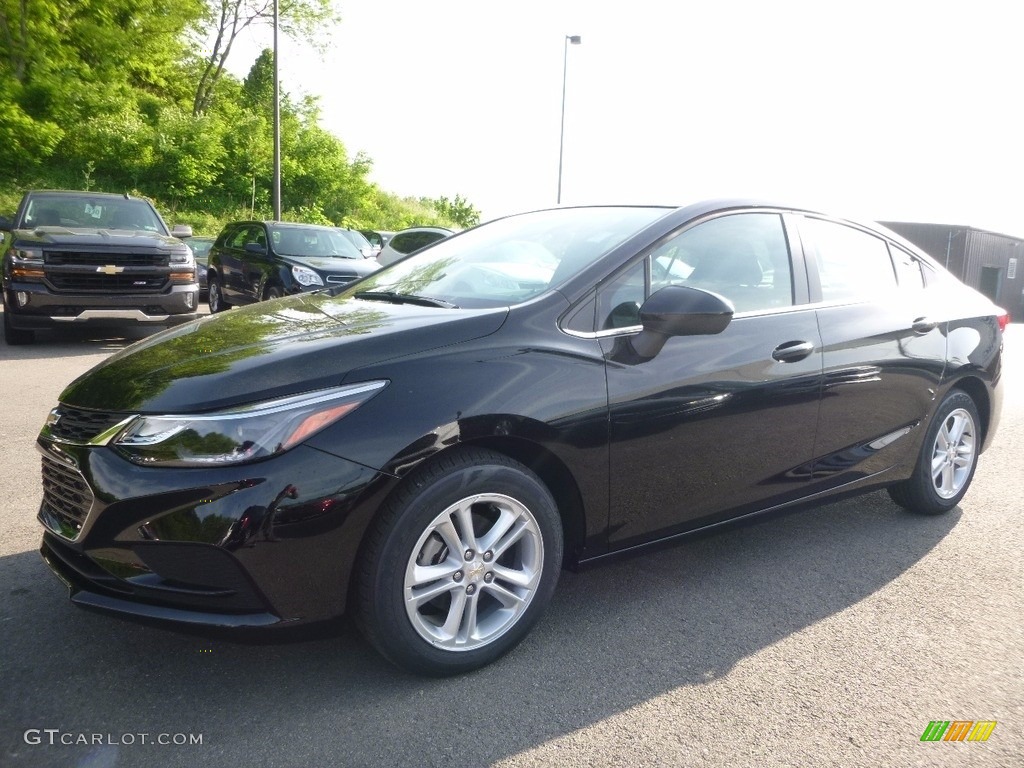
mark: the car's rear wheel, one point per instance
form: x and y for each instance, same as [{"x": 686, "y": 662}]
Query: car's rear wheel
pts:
[
  {"x": 460, "y": 564},
  {"x": 948, "y": 459},
  {"x": 215, "y": 296}
]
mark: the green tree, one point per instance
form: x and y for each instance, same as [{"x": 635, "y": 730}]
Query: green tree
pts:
[
  {"x": 458, "y": 211},
  {"x": 227, "y": 19}
]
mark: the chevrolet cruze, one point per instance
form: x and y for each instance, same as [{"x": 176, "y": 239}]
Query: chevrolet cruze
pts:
[{"x": 427, "y": 448}]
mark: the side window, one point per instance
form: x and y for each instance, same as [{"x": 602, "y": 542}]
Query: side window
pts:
[
  {"x": 908, "y": 269},
  {"x": 743, "y": 256},
  {"x": 618, "y": 302},
  {"x": 237, "y": 238},
  {"x": 256, "y": 235},
  {"x": 851, "y": 264}
]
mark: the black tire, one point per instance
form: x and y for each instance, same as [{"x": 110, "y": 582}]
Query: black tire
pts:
[
  {"x": 215, "y": 296},
  {"x": 16, "y": 336},
  {"x": 272, "y": 292},
  {"x": 924, "y": 493},
  {"x": 476, "y": 590}
]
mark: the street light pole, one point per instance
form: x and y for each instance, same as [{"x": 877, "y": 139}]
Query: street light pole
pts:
[
  {"x": 277, "y": 127},
  {"x": 575, "y": 40}
]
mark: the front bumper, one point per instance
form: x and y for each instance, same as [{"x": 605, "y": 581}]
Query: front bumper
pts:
[
  {"x": 44, "y": 309},
  {"x": 260, "y": 545}
]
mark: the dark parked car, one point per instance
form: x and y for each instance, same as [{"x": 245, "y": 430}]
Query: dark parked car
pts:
[
  {"x": 427, "y": 448},
  {"x": 409, "y": 241},
  {"x": 256, "y": 260},
  {"x": 201, "y": 246}
]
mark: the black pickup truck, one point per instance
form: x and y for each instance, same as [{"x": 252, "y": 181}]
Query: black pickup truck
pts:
[{"x": 72, "y": 258}]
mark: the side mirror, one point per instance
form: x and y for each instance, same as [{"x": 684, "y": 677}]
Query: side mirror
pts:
[
  {"x": 678, "y": 310},
  {"x": 256, "y": 248},
  {"x": 181, "y": 231},
  {"x": 6, "y": 223}
]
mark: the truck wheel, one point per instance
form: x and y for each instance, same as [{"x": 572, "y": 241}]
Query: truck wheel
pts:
[{"x": 16, "y": 336}]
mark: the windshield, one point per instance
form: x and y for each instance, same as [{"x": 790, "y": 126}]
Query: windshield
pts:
[
  {"x": 82, "y": 211},
  {"x": 511, "y": 260},
  {"x": 312, "y": 241}
]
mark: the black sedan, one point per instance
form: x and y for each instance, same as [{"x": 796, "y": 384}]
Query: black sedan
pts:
[
  {"x": 257, "y": 260},
  {"x": 427, "y": 448}
]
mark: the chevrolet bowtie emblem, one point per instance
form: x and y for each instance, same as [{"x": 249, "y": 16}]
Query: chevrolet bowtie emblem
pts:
[{"x": 110, "y": 269}]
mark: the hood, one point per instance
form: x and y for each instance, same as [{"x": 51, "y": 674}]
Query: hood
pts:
[
  {"x": 272, "y": 349},
  {"x": 82, "y": 237},
  {"x": 359, "y": 267}
]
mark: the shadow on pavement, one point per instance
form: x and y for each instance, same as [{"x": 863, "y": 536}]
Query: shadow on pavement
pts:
[{"x": 614, "y": 637}]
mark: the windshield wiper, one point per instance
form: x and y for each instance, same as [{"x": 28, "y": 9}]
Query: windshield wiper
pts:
[{"x": 405, "y": 298}]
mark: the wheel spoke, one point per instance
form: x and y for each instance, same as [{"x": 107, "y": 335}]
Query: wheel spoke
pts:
[
  {"x": 947, "y": 479},
  {"x": 938, "y": 464},
  {"x": 446, "y": 530},
  {"x": 465, "y": 517},
  {"x": 523, "y": 579},
  {"x": 505, "y": 521},
  {"x": 510, "y": 538},
  {"x": 467, "y": 629},
  {"x": 957, "y": 430},
  {"x": 942, "y": 439},
  {"x": 506, "y": 597},
  {"x": 427, "y": 574},
  {"x": 456, "y": 611}
]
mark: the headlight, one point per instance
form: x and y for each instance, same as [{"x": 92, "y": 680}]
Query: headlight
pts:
[
  {"x": 27, "y": 257},
  {"x": 183, "y": 256},
  {"x": 241, "y": 434},
  {"x": 306, "y": 276}
]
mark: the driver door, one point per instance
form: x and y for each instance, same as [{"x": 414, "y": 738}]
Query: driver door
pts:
[{"x": 713, "y": 426}]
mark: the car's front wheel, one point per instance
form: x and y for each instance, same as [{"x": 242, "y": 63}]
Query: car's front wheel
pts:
[
  {"x": 948, "y": 459},
  {"x": 460, "y": 564}
]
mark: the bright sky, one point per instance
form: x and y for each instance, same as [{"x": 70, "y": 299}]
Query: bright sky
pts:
[{"x": 898, "y": 110}]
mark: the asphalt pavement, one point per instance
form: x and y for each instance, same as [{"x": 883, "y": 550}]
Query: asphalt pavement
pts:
[{"x": 831, "y": 636}]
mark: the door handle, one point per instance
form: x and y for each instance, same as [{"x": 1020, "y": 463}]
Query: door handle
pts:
[
  {"x": 923, "y": 325},
  {"x": 792, "y": 351}
]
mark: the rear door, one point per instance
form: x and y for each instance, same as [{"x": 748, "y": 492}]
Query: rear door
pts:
[
  {"x": 713, "y": 426},
  {"x": 884, "y": 349}
]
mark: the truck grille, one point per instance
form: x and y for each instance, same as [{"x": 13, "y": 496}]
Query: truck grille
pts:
[
  {"x": 74, "y": 425},
  {"x": 65, "y": 258},
  {"x": 67, "y": 499},
  {"x": 85, "y": 282}
]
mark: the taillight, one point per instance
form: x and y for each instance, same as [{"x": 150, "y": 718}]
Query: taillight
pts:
[{"x": 1003, "y": 319}]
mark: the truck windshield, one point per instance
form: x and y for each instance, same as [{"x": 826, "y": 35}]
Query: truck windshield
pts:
[{"x": 82, "y": 211}]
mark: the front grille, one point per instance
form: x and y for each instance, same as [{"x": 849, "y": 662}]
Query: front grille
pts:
[
  {"x": 340, "y": 279},
  {"x": 65, "y": 258},
  {"x": 85, "y": 282},
  {"x": 75, "y": 425},
  {"x": 67, "y": 498}
]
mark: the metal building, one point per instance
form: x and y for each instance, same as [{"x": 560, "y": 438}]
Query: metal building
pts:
[{"x": 987, "y": 261}]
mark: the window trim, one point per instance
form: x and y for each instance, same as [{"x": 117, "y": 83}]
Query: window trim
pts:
[{"x": 799, "y": 278}]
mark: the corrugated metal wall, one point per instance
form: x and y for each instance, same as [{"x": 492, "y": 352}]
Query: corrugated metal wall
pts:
[{"x": 990, "y": 262}]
